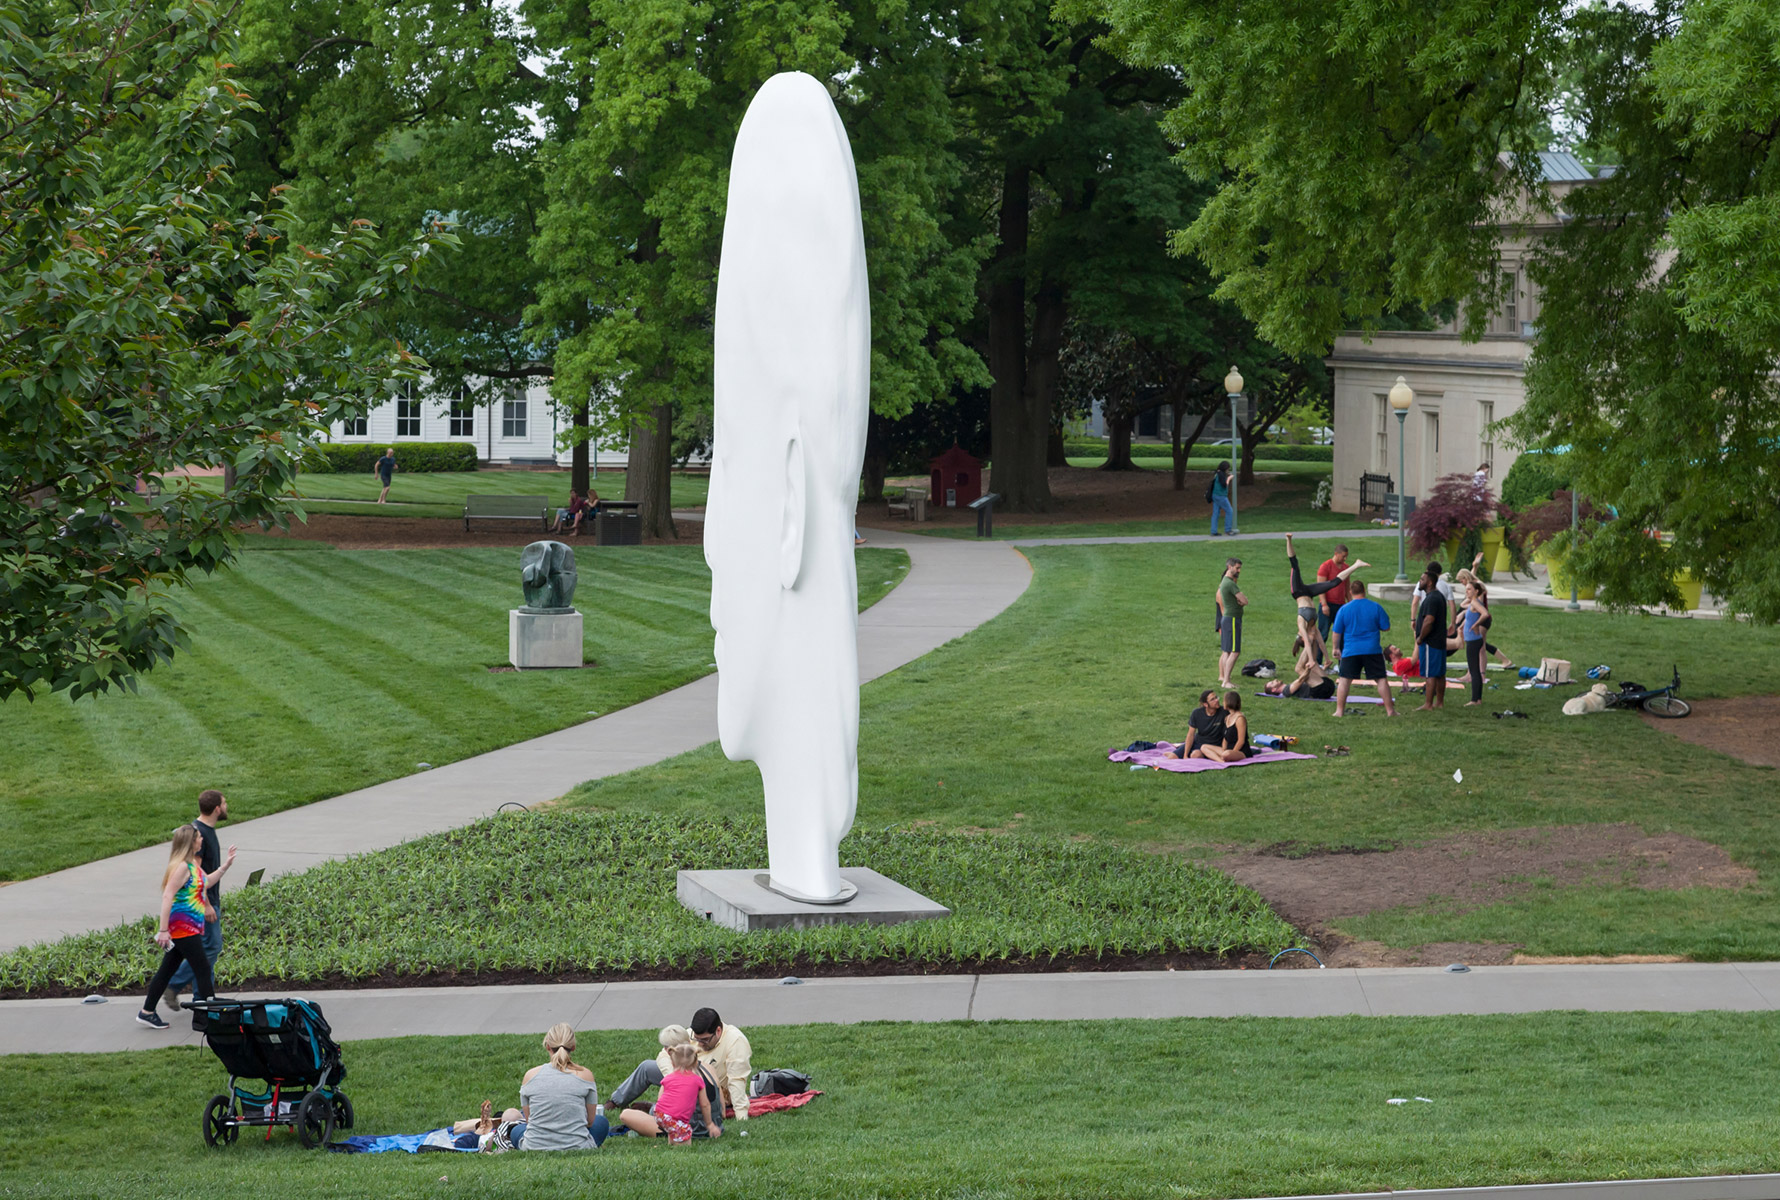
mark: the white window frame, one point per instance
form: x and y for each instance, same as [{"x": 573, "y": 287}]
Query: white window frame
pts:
[
  {"x": 407, "y": 417},
  {"x": 461, "y": 415},
  {"x": 515, "y": 419},
  {"x": 1430, "y": 449},
  {"x": 355, "y": 427},
  {"x": 1511, "y": 307},
  {"x": 1381, "y": 450},
  {"x": 1486, "y": 437}
]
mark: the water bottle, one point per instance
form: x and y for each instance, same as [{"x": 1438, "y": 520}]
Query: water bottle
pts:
[{"x": 599, "y": 1110}]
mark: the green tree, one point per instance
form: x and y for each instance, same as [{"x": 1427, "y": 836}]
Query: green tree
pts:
[
  {"x": 145, "y": 326},
  {"x": 1367, "y": 155}
]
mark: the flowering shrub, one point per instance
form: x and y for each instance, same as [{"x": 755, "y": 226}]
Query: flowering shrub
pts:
[
  {"x": 1324, "y": 493},
  {"x": 1454, "y": 507}
]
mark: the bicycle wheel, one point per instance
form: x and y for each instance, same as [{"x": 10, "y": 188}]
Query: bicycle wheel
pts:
[{"x": 1667, "y": 706}]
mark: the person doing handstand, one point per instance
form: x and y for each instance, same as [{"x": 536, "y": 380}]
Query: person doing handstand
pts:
[{"x": 1305, "y": 593}]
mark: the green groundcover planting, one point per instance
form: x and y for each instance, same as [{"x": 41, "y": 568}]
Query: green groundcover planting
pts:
[
  {"x": 1009, "y": 728},
  {"x": 314, "y": 673},
  {"x": 1000, "y": 1111},
  {"x": 470, "y": 901}
]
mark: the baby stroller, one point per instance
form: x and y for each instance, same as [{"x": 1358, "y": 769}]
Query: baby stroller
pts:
[{"x": 287, "y": 1045}]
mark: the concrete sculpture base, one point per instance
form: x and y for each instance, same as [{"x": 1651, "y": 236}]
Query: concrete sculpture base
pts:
[
  {"x": 735, "y": 900},
  {"x": 543, "y": 639}
]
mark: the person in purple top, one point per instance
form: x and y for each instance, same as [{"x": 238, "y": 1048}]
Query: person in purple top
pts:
[{"x": 1355, "y": 640}]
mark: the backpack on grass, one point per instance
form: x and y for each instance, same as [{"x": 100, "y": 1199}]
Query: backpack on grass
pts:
[{"x": 780, "y": 1081}]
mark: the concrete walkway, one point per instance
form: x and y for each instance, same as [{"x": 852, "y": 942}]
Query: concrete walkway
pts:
[
  {"x": 1146, "y": 539},
  {"x": 55, "y": 1026},
  {"x": 951, "y": 588}
]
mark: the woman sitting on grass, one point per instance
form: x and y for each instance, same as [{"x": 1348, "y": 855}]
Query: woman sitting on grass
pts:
[
  {"x": 558, "y": 1101},
  {"x": 1234, "y": 746},
  {"x": 682, "y": 1090}
]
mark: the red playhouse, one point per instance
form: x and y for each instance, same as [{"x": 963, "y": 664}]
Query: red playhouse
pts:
[{"x": 957, "y": 478}]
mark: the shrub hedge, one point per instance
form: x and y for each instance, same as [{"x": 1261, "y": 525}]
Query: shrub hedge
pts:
[
  {"x": 1089, "y": 447},
  {"x": 492, "y": 897},
  {"x": 1535, "y": 477},
  {"x": 332, "y": 458}
]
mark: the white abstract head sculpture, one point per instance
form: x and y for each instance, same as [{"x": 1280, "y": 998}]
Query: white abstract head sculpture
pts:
[{"x": 793, "y": 375}]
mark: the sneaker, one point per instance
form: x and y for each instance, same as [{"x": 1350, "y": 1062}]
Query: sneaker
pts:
[{"x": 152, "y": 1020}]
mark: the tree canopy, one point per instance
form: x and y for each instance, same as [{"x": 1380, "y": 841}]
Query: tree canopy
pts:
[{"x": 1367, "y": 156}]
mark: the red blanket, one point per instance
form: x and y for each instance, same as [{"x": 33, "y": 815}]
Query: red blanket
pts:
[{"x": 761, "y": 1105}]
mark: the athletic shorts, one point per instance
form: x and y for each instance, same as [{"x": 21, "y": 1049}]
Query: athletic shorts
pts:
[
  {"x": 1230, "y": 634},
  {"x": 1432, "y": 660},
  {"x": 1353, "y": 666}
]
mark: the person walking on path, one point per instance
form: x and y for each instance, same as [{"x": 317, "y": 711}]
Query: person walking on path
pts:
[
  {"x": 1305, "y": 593},
  {"x": 386, "y": 470},
  {"x": 181, "y": 932},
  {"x": 1231, "y": 602},
  {"x": 1219, "y": 495},
  {"x": 1355, "y": 641},
  {"x": 1430, "y": 639},
  {"x": 559, "y": 1103},
  {"x": 1330, "y": 602},
  {"x": 213, "y": 810},
  {"x": 1475, "y": 622}
]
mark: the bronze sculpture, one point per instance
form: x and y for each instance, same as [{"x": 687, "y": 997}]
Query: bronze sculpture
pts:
[{"x": 547, "y": 574}]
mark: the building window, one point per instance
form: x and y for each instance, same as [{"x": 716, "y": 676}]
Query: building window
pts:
[
  {"x": 463, "y": 419},
  {"x": 1381, "y": 450},
  {"x": 513, "y": 419},
  {"x": 1431, "y": 449},
  {"x": 355, "y": 427},
  {"x": 1511, "y": 310},
  {"x": 407, "y": 417},
  {"x": 1486, "y": 437}
]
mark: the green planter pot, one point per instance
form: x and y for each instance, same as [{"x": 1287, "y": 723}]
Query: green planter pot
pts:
[
  {"x": 1690, "y": 589},
  {"x": 1560, "y": 580},
  {"x": 1492, "y": 542}
]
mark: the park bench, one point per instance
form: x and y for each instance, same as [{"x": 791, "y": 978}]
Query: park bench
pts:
[
  {"x": 507, "y": 508},
  {"x": 913, "y": 504},
  {"x": 1373, "y": 490}
]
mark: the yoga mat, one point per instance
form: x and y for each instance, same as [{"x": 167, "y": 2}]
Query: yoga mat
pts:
[
  {"x": 1351, "y": 698},
  {"x": 1166, "y": 761}
]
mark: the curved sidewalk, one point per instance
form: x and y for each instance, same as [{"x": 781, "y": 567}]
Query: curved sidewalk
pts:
[
  {"x": 59, "y": 1026},
  {"x": 951, "y": 588}
]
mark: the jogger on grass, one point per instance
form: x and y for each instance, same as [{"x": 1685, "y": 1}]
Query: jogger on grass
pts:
[{"x": 184, "y": 908}]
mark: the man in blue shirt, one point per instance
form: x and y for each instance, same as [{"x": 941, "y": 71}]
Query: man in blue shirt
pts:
[{"x": 1354, "y": 640}]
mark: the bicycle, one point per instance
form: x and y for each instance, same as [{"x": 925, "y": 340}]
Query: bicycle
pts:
[{"x": 1658, "y": 702}]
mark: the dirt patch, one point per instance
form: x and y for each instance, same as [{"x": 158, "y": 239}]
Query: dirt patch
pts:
[
  {"x": 1086, "y": 494},
  {"x": 1468, "y": 871},
  {"x": 1745, "y": 727}
]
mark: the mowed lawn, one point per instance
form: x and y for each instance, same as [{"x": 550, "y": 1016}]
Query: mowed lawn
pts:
[
  {"x": 441, "y": 493},
  {"x": 991, "y": 1111},
  {"x": 315, "y": 673},
  {"x": 1008, "y": 729}
]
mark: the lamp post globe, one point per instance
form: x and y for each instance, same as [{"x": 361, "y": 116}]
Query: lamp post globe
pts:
[
  {"x": 1402, "y": 396},
  {"x": 1233, "y": 389}
]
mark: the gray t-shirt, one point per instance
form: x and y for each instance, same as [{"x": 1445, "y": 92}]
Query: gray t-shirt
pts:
[{"x": 558, "y": 1102}]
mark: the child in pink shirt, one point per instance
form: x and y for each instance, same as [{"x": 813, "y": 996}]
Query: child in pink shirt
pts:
[{"x": 681, "y": 1092}]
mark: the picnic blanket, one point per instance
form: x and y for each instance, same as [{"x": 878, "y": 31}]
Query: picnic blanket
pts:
[
  {"x": 1164, "y": 759},
  {"x": 759, "y": 1106},
  {"x": 1351, "y": 699},
  {"x": 413, "y": 1143}
]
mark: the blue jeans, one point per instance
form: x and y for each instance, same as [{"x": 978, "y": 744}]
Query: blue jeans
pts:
[
  {"x": 1324, "y": 620},
  {"x": 212, "y": 943},
  {"x": 1221, "y": 506},
  {"x": 599, "y": 1129}
]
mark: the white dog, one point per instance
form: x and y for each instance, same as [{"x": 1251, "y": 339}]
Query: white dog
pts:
[{"x": 1592, "y": 701}]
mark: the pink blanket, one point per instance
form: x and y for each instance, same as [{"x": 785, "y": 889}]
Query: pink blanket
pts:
[{"x": 1165, "y": 760}]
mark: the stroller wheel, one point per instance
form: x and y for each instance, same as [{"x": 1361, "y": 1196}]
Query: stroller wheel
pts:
[
  {"x": 219, "y": 1126},
  {"x": 315, "y": 1121},
  {"x": 342, "y": 1111}
]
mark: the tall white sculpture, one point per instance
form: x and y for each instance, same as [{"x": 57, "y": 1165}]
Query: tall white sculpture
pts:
[{"x": 793, "y": 375}]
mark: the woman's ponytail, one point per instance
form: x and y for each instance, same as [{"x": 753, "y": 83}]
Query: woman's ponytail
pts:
[{"x": 559, "y": 1043}]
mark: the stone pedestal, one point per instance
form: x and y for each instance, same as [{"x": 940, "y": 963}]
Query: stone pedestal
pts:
[
  {"x": 739, "y": 900},
  {"x": 543, "y": 639}
]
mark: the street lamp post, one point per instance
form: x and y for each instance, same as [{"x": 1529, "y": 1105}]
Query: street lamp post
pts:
[
  {"x": 1402, "y": 396},
  {"x": 1233, "y": 388},
  {"x": 1574, "y": 604}
]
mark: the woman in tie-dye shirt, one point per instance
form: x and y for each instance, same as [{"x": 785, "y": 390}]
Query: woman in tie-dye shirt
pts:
[{"x": 183, "y": 913}]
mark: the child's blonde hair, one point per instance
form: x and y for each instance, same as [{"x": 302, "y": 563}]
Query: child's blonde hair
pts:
[
  {"x": 683, "y": 1055},
  {"x": 673, "y": 1035}
]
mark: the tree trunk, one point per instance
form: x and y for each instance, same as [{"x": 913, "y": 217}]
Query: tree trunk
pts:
[
  {"x": 580, "y": 473},
  {"x": 1183, "y": 447},
  {"x": 1056, "y": 452},
  {"x": 877, "y": 459},
  {"x": 1039, "y": 397},
  {"x": 1011, "y": 461},
  {"x": 649, "y": 474},
  {"x": 1248, "y": 458},
  {"x": 1178, "y": 460},
  {"x": 1118, "y": 443}
]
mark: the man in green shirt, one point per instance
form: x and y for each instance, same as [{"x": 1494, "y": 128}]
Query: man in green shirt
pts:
[{"x": 1231, "y": 602}]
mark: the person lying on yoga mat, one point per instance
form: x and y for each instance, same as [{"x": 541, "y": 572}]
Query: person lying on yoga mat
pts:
[
  {"x": 1304, "y": 593},
  {"x": 1312, "y": 683},
  {"x": 1205, "y": 727}
]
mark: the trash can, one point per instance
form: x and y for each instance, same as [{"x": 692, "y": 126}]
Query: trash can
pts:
[{"x": 619, "y": 523}]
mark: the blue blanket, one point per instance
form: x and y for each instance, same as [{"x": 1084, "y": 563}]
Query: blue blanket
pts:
[{"x": 413, "y": 1143}]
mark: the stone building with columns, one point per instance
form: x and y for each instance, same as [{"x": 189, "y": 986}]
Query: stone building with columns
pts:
[{"x": 1461, "y": 388}]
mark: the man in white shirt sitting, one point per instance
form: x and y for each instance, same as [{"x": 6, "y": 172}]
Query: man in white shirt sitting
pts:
[{"x": 724, "y": 1056}]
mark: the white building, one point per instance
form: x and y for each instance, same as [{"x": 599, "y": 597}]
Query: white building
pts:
[
  {"x": 1461, "y": 388},
  {"x": 520, "y": 428}
]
